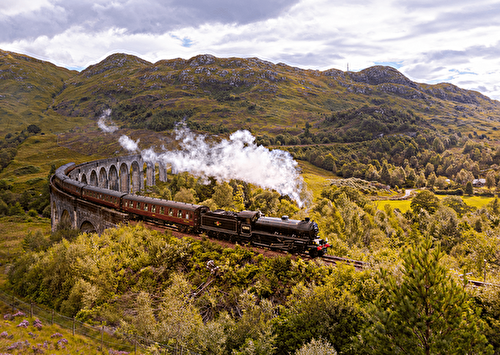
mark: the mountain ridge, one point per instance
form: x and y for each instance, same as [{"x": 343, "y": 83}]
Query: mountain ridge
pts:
[{"x": 230, "y": 92}]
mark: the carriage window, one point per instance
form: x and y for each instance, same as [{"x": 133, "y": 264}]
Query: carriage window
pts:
[
  {"x": 126, "y": 203},
  {"x": 162, "y": 210},
  {"x": 153, "y": 209},
  {"x": 145, "y": 207},
  {"x": 179, "y": 214},
  {"x": 170, "y": 212},
  {"x": 188, "y": 215}
]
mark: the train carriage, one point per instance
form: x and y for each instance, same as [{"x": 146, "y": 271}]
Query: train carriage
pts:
[
  {"x": 103, "y": 196},
  {"x": 183, "y": 216},
  {"x": 63, "y": 182},
  {"x": 72, "y": 187}
]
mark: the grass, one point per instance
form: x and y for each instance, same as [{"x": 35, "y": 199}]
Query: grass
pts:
[
  {"x": 52, "y": 339},
  {"x": 477, "y": 201},
  {"x": 13, "y": 231},
  {"x": 315, "y": 178},
  {"x": 35, "y": 157},
  {"x": 404, "y": 205}
]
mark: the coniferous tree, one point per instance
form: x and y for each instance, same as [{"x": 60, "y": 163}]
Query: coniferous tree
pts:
[
  {"x": 385, "y": 175},
  {"x": 423, "y": 312},
  {"x": 468, "y": 188}
]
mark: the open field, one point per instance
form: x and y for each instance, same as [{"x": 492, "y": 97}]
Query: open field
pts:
[
  {"x": 315, "y": 178},
  {"x": 34, "y": 158},
  {"x": 404, "y": 205}
]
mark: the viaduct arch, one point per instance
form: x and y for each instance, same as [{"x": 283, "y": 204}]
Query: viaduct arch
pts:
[{"x": 128, "y": 174}]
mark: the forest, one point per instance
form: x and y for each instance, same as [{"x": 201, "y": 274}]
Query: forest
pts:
[{"x": 210, "y": 299}]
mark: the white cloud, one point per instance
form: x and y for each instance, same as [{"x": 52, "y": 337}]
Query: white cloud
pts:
[
  {"x": 12, "y": 8},
  {"x": 431, "y": 40}
]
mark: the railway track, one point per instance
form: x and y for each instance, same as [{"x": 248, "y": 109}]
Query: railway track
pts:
[
  {"x": 328, "y": 259},
  {"x": 358, "y": 265}
]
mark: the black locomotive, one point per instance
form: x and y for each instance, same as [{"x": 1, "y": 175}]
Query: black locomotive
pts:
[{"x": 246, "y": 227}]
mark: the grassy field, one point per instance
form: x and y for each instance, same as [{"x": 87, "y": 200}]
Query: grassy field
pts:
[
  {"x": 404, "y": 205},
  {"x": 34, "y": 158},
  {"x": 45, "y": 338},
  {"x": 315, "y": 178},
  {"x": 13, "y": 231},
  {"x": 477, "y": 201}
]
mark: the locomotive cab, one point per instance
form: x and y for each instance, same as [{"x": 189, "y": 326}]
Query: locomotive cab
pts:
[{"x": 247, "y": 218}]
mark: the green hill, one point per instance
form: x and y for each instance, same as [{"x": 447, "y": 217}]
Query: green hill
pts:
[{"x": 224, "y": 94}]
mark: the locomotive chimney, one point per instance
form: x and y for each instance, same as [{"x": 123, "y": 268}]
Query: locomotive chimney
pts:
[{"x": 307, "y": 219}]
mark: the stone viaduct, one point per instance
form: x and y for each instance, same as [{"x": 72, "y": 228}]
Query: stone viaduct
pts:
[{"x": 127, "y": 174}]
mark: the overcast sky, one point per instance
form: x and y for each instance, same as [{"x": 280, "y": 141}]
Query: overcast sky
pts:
[{"x": 429, "y": 41}]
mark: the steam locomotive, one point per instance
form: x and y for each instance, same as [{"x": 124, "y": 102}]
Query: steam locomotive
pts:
[{"x": 246, "y": 227}]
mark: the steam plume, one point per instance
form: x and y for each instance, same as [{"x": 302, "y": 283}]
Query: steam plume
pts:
[
  {"x": 129, "y": 144},
  {"x": 235, "y": 158},
  {"x": 102, "y": 122}
]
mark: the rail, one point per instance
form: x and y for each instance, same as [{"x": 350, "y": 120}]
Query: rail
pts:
[{"x": 358, "y": 265}]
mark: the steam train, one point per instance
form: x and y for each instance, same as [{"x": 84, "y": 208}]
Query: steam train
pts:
[{"x": 249, "y": 227}]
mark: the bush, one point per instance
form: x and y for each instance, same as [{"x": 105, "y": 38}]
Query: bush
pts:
[
  {"x": 46, "y": 212},
  {"x": 456, "y": 192},
  {"x": 16, "y": 210}
]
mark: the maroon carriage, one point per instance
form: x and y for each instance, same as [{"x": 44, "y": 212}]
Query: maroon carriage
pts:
[{"x": 183, "y": 216}]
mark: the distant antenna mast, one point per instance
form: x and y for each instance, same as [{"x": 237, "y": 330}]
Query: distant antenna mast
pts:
[{"x": 347, "y": 66}]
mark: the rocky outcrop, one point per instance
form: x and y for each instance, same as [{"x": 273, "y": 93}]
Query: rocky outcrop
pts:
[
  {"x": 381, "y": 75},
  {"x": 114, "y": 61}
]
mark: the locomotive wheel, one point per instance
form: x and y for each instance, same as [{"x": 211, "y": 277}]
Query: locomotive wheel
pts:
[{"x": 313, "y": 253}]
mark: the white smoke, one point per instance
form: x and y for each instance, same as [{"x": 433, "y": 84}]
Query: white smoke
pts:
[
  {"x": 102, "y": 122},
  {"x": 236, "y": 158},
  {"x": 129, "y": 144}
]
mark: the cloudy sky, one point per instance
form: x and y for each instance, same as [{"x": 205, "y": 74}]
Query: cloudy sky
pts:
[{"x": 429, "y": 41}]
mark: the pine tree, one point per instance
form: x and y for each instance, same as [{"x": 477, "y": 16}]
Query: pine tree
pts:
[
  {"x": 385, "y": 175},
  {"x": 425, "y": 312},
  {"x": 468, "y": 188}
]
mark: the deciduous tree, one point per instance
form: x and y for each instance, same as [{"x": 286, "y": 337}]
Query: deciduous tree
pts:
[{"x": 425, "y": 200}]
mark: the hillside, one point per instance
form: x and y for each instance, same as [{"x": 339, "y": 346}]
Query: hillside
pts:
[
  {"x": 224, "y": 94},
  {"x": 27, "y": 89}
]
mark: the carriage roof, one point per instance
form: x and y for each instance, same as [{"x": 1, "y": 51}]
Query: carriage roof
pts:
[
  {"x": 103, "y": 190},
  {"x": 164, "y": 203}
]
